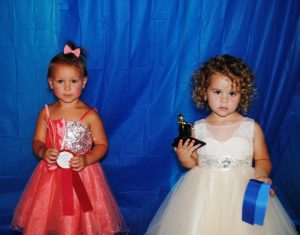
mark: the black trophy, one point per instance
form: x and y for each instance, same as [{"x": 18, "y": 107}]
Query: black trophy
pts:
[{"x": 185, "y": 132}]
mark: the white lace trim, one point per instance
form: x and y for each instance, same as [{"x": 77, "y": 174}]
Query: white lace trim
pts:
[{"x": 245, "y": 129}]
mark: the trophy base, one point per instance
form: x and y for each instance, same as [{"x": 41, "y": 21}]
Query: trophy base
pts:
[{"x": 176, "y": 141}]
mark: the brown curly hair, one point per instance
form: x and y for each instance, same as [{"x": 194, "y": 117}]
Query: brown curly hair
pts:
[{"x": 233, "y": 68}]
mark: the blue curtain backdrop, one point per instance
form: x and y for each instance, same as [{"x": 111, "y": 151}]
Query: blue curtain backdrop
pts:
[{"x": 142, "y": 54}]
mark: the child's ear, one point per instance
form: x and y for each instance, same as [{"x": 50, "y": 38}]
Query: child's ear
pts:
[
  {"x": 50, "y": 81},
  {"x": 84, "y": 81}
]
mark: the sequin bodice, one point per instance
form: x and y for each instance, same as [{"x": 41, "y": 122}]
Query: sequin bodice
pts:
[
  {"x": 71, "y": 135},
  {"x": 226, "y": 146}
]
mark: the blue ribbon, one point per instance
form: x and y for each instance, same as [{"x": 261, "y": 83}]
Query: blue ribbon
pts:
[{"x": 255, "y": 202}]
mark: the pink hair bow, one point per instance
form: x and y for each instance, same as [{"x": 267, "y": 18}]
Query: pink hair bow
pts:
[{"x": 68, "y": 50}]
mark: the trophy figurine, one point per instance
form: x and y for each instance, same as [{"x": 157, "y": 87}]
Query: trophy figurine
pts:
[{"x": 185, "y": 132}]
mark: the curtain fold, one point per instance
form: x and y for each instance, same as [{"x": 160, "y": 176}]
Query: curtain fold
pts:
[{"x": 141, "y": 57}]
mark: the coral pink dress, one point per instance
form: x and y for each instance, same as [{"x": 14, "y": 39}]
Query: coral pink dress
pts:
[{"x": 62, "y": 201}]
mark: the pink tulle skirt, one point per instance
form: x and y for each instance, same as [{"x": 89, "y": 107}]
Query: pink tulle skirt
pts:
[{"x": 40, "y": 209}]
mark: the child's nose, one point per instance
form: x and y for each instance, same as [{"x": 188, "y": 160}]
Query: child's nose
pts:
[
  {"x": 224, "y": 98},
  {"x": 67, "y": 86}
]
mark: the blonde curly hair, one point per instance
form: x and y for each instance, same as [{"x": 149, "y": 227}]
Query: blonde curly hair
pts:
[{"x": 233, "y": 68}]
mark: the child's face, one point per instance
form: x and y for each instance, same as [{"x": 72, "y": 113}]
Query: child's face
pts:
[
  {"x": 67, "y": 82},
  {"x": 222, "y": 98}
]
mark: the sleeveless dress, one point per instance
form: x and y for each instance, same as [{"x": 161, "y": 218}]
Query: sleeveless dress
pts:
[
  {"x": 208, "y": 199},
  {"x": 41, "y": 207}
]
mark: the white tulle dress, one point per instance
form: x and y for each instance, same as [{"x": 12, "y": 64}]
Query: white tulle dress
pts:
[{"x": 208, "y": 199}]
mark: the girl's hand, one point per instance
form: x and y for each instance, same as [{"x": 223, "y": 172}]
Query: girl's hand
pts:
[
  {"x": 50, "y": 155},
  {"x": 78, "y": 163},
  {"x": 269, "y": 181},
  {"x": 185, "y": 151}
]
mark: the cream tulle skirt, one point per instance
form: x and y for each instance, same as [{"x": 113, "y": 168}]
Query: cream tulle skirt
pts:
[{"x": 209, "y": 202}]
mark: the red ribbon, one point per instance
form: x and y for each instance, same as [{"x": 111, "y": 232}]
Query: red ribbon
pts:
[{"x": 70, "y": 179}]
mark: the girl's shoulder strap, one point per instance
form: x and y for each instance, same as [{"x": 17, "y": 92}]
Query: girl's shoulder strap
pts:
[
  {"x": 199, "y": 122},
  {"x": 86, "y": 113},
  {"x": 47, "y": 111},
  {"x": 200, "y": 129},
  {"x": 247, "y": 127}
]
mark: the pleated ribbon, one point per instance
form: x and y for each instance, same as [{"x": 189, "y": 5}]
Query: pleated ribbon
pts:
[
  {"x": 255, "y": 202},
  {"x": 70, "y": 179}
]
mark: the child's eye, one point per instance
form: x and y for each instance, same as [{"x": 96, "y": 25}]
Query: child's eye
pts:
[
  {"x": 74, "y": 81},
  {"x": 232, "y": 93},
  {"x": 217, "y": 92},
  {"x": 59, "y": 81}
]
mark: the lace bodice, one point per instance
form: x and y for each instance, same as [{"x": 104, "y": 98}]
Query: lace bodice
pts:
[{"x": 226, "y": 146}]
